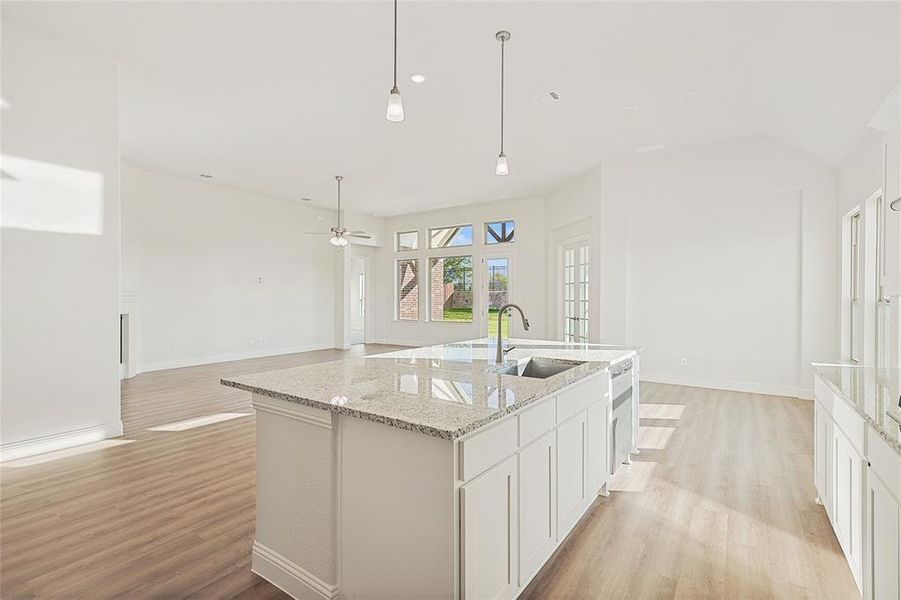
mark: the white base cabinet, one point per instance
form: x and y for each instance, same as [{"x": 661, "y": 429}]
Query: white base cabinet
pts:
[
  {"x": 858, "y": 481},
  {"x": 488, "y": 513},
  {"x": 537, "y": 504}
]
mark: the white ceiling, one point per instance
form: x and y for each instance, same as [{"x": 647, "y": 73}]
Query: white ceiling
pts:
[{"x": 277, "y": 97}]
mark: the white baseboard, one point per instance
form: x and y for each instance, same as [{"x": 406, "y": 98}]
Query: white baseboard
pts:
[
  {"x": 59, "y": 441},
  {"x": 208, "y": 360},
  {"x": 732, "y": 386},
  {"x": 287, "y": 576}
]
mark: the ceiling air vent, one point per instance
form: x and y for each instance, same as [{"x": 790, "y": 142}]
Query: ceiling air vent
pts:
[{"x": 547, "y": 97}]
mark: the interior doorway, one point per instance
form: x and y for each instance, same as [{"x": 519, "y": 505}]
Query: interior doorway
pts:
[{"x": 358, "y": 300}]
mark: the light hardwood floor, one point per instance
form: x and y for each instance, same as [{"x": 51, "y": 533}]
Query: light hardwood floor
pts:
[{"x": 718, "y": 504}]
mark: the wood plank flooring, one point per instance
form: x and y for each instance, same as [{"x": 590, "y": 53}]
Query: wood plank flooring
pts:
[{"x": 718, "y": 504}]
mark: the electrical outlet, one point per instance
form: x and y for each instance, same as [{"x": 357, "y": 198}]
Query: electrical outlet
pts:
[
  {"x": 251, "y": 341},
  {"x": 260, "y": 280},
  {"x": 683, "y": 362}
]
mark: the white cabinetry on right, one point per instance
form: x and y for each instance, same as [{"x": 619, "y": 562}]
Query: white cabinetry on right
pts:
[
  {"x": 858, "y": 481},
  {"x": 883, "y": 507}
]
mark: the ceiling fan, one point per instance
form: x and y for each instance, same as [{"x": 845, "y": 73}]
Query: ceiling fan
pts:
[{"x": 338, "y": 232}]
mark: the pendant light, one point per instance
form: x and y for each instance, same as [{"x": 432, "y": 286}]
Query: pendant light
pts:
[
  {"x": 395, "y": 112},
  {"x": 338, "y": 240},
  {"x": 501, "y": 168}
]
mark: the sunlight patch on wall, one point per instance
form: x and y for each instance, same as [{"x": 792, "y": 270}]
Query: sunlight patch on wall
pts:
[{"x": 39, "y": 196}]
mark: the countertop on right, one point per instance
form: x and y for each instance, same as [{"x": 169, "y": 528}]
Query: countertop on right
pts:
[{"x": 873, "y": 392}]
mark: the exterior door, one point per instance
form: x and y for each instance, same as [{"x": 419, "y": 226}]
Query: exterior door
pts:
[
  {"x": 496, "y": 292},
  {"x": 575, "y": 292}
]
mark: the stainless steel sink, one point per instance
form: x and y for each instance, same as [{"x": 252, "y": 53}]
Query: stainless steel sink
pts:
[{"x": 538, "y": 368}]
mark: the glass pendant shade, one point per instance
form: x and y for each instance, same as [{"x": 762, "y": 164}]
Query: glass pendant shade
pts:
[
  {"x": 395, "y": 112},
  {"x": 338, "y": 241},
  {"x": 501, "y": 168}
]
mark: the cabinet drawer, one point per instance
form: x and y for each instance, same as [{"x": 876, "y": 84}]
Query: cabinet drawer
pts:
[
  {"x": 885, "y": 463},
  {"x": 487, "y": 448},
  {"x": 823, "y": 394},
  {"x": 536, "y": 420},
  {"x": 573, "y": 400},
  {"x": 850, "y": 423}
]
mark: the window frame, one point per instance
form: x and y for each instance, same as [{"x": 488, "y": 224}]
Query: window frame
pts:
[
  {"x": 472, "y": 260},
  {"x": 397, "y": 289},
  {"x": 459, "y": 225},
  {"x": 397, "y": 235},
  {"x": 488, "y": 234}
]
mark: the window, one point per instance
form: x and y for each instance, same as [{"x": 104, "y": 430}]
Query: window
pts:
[
  {"x": 361, "y": 309},
  {"x": 450, "y": 289},
  {"x": 408, "y": 290},
  {"x": 447, "y": 237},
  {"x": 407, "y": 240},
  {"x": 855, "y": 318},
  {"x": 499, "y": 232}
]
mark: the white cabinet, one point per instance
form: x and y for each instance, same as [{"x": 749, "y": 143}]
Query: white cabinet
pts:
[
  {"x": 597, "y": 419},
  {"x": 823, "y": 455},
  {"x": 537, "y": 504},
  {"x": 884, "y": 529},
  {"x": 847, "y": 516},
  {"x": 489, "y": 506},
  {"x": 572, "y": 489}
]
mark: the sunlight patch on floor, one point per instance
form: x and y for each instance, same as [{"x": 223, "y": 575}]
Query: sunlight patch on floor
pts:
[
  {"x": 38, "y": 459},
  {"x": 660, "y": 411},
  {"x": 632, "y": 478},
  {"x": 198, "y": 422},
  {"x": 654, "y": 438}
]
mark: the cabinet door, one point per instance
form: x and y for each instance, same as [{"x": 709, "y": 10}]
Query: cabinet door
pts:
[
  {"x": 819, "y": 450},
  {"x": 885, "y": 538},
  {"x": 571, "y": 473},
  {"x": 848, "y": 515},
  {"x": 596, "y": 423},
  {"x": 537, "y": 504},
  {"x": 488, "y": 506}
]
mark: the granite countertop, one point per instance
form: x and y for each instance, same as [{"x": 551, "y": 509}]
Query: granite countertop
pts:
[
  {"x": 873, "y": 393},
  {"x": 445, "y": 391}
]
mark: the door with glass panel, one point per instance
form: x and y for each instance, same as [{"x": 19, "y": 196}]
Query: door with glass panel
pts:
[
  {"x": 495, "y": 293},
  {"x": 575, "y": 291}
]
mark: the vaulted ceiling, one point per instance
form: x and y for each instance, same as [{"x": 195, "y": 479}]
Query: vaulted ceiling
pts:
[{"x": 277, "y": 97}]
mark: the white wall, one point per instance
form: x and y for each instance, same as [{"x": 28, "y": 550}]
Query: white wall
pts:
[
  {"x": 651, "y": 290},
  {"x": 60, "y": 244},
  {"x": 193, "y": 254},
  {"x": 528, "y": 288}
]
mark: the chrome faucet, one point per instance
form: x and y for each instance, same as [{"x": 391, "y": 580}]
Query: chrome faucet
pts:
[{"x": 500, "y": 330}]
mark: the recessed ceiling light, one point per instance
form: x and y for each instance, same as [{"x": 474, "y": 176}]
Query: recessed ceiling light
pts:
[
  {"x": 206, "y": 175},
  {"x": 690, "y": 94},
  {"x": 651, "y": 148},
  {"x": 630, "y": 109},
  {"x": 305, "y": 199},
  {"x": 417, "y": 78}
]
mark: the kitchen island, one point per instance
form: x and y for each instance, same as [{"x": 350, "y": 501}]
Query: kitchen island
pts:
[{"x": 431, "y": 472}]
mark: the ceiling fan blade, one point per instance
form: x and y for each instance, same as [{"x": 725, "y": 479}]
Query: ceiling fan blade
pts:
[
  {"x": 364, "y": 236},
  {"x": 318, "y": 233}
]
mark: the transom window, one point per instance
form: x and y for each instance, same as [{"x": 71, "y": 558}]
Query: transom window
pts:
[
  {"x": 407, "y": 240},
  {"x": 448, "y": 237},
  {"x": 499, "y": 232}
]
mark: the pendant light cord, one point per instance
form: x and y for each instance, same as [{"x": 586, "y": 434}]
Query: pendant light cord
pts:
[
  {"x": 502, "y": 96},
  {"x": 395, "y": 44}
]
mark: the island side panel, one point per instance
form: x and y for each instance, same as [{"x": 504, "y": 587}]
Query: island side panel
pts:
[
  {"x": 295, "y": 546},
  {"x": 398, "y": 513}
]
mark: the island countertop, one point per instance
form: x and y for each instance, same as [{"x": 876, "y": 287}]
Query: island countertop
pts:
[
  {"x": 445, "y": 391},
  {"x": 872, "y": 392}
]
